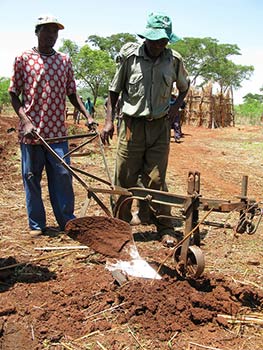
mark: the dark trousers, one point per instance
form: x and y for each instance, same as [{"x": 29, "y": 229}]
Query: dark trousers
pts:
[{"x": 142, "y": 159}]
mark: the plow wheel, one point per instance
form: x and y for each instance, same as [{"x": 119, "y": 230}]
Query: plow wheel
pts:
[{"x": 195, "y": 262}]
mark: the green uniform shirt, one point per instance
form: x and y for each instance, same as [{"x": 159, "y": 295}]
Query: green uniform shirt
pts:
[{"x": 146, "y": 86}]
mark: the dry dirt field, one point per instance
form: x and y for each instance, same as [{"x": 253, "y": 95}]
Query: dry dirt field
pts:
[{"x": 56, "y": 298}]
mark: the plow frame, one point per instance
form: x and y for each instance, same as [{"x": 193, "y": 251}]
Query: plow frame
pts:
[{"x": 188, "y": 255}]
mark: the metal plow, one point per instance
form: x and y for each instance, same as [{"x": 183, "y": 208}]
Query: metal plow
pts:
[{"x": 187, "y": 254}]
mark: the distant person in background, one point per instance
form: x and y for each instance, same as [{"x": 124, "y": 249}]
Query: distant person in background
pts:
[
  {"x": 176, "y": 122},
  {"x": 76, "y": 113},
  {"x": 44, "y": 78},
  {"x": 90, "y": 107}
]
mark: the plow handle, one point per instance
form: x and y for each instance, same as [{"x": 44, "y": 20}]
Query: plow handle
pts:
[{"x": 72, "y": 172}]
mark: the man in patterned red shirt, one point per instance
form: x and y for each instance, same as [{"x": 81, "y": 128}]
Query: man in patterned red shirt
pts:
[{"x": 42, "y": 79}]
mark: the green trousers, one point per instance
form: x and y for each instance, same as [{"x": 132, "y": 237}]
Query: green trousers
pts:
[{"x": 142, "y": 159}]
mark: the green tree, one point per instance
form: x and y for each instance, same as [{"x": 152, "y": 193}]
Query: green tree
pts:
[
  {"x": 70, "y": 47},
  {"x": 93, "y": 69},
  {"x": 207, "y": 60},
  {"x": 251, "y": 110},
  {"x": 250, "y": 97},
  {"x": 4, "y": 95},
  {"x": 198, "y": 53},
  {"x": 112, "y": 44}
]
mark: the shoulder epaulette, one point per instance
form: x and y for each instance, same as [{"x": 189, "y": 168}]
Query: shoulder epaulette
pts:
[
  {"x": 127, "y": 50},
  {"x": 176, "y": 54}
]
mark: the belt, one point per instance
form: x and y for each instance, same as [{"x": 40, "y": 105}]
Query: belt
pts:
[
  {"x": 150, "y": 119},
  {"x": 129, "y": 122}
]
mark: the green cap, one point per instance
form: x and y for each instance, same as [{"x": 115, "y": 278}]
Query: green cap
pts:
[{"x": 159, "y": 26}]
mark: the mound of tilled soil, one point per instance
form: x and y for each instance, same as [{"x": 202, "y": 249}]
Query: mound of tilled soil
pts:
[
  {"x": 167, "y": 306},
  {"x": 89, "y": 300}
]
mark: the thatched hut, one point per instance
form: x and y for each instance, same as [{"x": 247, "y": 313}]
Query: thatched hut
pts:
[{"x": 204, "y": 108}]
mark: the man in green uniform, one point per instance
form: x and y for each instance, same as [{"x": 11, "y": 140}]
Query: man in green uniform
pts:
[{"x": 145, "y": 77}]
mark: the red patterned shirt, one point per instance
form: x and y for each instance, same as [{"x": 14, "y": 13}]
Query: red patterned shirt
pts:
[{"x": 44, "y": 82}]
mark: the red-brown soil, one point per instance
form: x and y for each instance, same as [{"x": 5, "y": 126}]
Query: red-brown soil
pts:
[{"x": 54, "y": 297}]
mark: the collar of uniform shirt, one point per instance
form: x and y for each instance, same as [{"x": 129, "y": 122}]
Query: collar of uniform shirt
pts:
[{"x": 140, "y": 51}]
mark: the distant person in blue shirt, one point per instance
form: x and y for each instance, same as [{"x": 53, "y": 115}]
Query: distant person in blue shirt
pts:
[{"x": 90, "y": 107}]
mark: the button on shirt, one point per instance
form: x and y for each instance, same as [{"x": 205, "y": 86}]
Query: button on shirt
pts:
[
  {"x": 146, "y": 85},
  {"x": 44, "y": 82}
]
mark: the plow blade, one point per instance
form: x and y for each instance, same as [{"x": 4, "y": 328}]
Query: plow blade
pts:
[{"x": 105, "y": 235}]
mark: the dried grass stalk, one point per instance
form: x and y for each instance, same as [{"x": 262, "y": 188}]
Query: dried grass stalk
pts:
[
  {"x": 243, "y": 319},
  {"x": 203, "y": 346}
]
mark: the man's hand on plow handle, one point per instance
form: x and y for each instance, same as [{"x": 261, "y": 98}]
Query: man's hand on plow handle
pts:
[{"x": 92, "y": 126}]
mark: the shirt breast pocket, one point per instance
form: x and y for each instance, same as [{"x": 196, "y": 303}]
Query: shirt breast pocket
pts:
[{"x": 136, "y": 86}]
